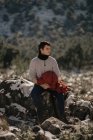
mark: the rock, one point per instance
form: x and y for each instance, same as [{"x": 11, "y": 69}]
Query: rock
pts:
[
  {"x": 70, "y": 100},
  {"x": 52, "y": 125},
  {"x": 80, "y": 109},
  {"x": 14, "y": 129},
  {"x": 36, "y": 128},
  {"x": 16, "y": 102},
  {"x": 45, "y": 135},
  {"x": 41, "y": 137},
  {"x": 91, "y": 112},
  {"x": 16, "y": 110},
  {"x": 6, "y": 135},
  {"x": 15, "y": 98},
  {"x": 90, "y": 136}
]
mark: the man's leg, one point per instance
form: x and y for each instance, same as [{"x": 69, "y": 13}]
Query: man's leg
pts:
[
  {"x": 60, "y": 101},
  {"x": 37, "y": 100},
  {"x": 54, "y": 106}
]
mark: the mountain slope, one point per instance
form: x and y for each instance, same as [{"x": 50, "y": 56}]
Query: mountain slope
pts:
[
  {"x": 38, "y": 18},
  {"x": 67, "y": 24}
]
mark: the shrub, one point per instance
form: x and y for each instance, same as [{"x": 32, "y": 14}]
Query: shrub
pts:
[
  {"x": 5, "y": 17},
  {"x": 17, "y": 24}
]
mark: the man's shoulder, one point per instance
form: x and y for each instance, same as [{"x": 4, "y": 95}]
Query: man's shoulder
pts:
[
  {"x": 34, "y": 59},
  {"x": 52, "y": 58}
]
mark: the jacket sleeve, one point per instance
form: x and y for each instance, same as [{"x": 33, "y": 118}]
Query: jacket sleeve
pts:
[
  {"x": 32, "y": 71},
  {"x": 56, "y": 68}
]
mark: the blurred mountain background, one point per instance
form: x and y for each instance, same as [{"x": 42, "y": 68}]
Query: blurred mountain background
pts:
[{"x": 66, "y": 24}]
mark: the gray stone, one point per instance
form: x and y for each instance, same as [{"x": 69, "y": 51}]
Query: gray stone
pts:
[{"x": 52, "y": 125}]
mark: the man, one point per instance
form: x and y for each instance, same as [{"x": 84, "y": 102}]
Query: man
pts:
[{"x": 38, "y": 66}]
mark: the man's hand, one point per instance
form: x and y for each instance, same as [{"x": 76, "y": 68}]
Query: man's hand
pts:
[
  {"x": 62, "y": 84},
  {"x": 45, "y": 86},
  {"x": 69, "y": 88},
  {"x": 35, "y": 81}
]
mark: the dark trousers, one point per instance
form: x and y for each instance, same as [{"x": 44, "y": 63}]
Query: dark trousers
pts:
[{"x": 36, "y": 95}]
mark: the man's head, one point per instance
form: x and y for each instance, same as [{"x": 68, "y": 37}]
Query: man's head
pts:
[{"x": 44, "y": 48}]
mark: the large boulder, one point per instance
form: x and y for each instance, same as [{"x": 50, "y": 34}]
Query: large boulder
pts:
[
  {"x": 16, "y": 101},
  {"x": 15, "y": 98},
  {"x": 52, "y": 125},
  {"x": 6, "y": 135},
  {"x": 80, "y": 109}
]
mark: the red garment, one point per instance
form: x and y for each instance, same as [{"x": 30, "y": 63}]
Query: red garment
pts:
[{"x": 51, "y": 79}]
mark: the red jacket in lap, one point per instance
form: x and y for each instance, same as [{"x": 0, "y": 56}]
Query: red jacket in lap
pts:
[{"x": 51, "y": 79}]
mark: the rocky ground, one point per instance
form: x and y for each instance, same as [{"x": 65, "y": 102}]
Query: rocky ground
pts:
[{"x": 18, "y": 118}]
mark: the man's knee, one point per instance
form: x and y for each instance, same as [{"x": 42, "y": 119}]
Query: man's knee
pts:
[
  {"x": 35, "y": 90},
  {"x": 36, "y": 94}
]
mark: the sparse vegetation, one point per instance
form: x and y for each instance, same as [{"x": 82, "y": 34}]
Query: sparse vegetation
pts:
[{"x": 71, "y": 52}]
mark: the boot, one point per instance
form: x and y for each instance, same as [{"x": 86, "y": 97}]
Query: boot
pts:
[
  {"x": 40, "y": 115},
  {"x": 64, "y": 119}
]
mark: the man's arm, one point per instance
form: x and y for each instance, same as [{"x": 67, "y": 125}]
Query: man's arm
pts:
[
  {"x": 32, "y": 72},
  {"x": 56, "y": 69}
]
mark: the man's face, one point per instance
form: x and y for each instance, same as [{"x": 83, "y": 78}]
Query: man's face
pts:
[{"x": 46, "y": 50}]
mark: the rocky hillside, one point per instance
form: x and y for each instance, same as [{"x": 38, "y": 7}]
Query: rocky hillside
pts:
[{"x": 18, "y": 118}]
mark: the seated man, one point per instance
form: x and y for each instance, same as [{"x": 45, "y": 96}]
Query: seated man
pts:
[{"x": 39, "y": 65}]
